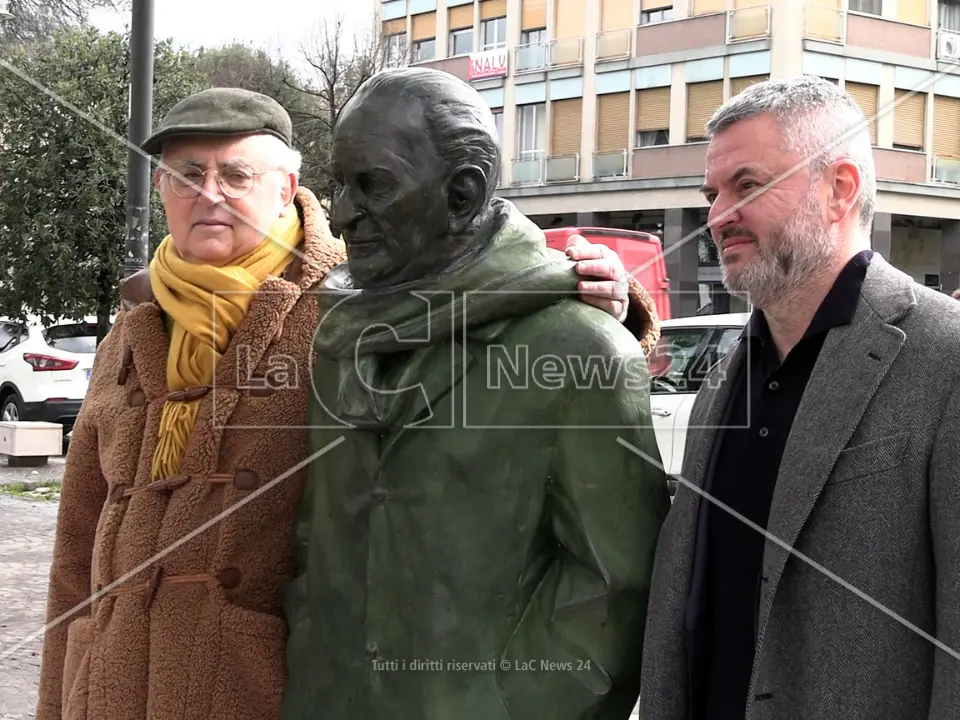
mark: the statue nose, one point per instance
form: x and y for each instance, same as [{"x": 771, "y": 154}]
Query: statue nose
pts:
[{"x": 345, "y": 214}]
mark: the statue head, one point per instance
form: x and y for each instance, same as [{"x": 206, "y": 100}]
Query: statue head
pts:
[{"x": 416, "y": 158}]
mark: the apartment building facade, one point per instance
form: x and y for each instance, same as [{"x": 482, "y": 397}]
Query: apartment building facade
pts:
[{"x": 601, "y": 107}]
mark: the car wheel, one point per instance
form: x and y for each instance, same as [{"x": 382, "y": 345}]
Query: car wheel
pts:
[{"x": 11, "y": 409}]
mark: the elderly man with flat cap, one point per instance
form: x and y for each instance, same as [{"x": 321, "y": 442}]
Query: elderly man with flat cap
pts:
[
  {"x": 175, "y": 528},
  {"x": 479, "y": 542}
]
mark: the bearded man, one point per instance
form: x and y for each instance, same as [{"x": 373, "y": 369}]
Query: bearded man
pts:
[
  {"x": 810, "y": 564},
  {"x": 479, "y": 542}
]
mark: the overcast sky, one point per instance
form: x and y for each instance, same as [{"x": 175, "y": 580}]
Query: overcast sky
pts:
[{"x": 275, "y": 26}]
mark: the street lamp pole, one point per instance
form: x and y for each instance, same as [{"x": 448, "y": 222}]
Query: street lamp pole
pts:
[{"x": 137, "y": 250}]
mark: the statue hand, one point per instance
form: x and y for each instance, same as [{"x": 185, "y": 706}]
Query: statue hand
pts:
[{"x": 607, "y": 286}]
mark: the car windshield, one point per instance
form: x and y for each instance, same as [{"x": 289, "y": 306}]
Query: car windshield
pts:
[{"x": 72, "y": 337}]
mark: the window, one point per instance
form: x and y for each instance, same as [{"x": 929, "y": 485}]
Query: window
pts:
[
  {"x": 949, "y": 14},
  {"x": 498, "y": 119},
  {"x": 461, "y": 42},
  {"x": 674, "y": 362},
  {"x": 494, "y": 33},
  {"x": 396, "y": 49},
  {"x": 531, "y": 131},
  {"x": 75, "y": 338},
  {"x": 424, "y": 50},
  {"x": 650, "y": 138},
  {"x": 11, "y": 335},
  {"x": 648, "y": 17},
  {"x": 871, "y": 7},
  {"x": 533, "y": 37}
]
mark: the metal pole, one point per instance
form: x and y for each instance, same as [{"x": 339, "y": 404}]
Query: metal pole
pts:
[{"x": 141, "y": 119}]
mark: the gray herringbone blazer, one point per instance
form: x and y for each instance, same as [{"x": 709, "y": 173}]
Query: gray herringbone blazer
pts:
[{"x": 868, "y": 491}]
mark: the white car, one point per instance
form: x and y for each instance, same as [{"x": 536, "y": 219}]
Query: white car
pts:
[
  {"x": 687, "y": 349},
  {"x": 45, "y": 371}
]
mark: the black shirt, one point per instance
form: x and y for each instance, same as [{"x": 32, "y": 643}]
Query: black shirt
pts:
[{"x": 763, "y": 403}]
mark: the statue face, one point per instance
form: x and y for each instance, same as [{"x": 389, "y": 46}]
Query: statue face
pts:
[{"x": 391, "y": 203}]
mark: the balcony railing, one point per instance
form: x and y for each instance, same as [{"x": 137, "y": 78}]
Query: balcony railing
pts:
[
  {"x": 748, "y": 23},
  {"x": 613, "y": 45},
  {"x": 946, "y": 169},
  {"x": 566, "y": 52},
  {"x": 529, "y": 58},
  {"x": 828, "y": 24},
  {"x": 563, "y": 168},
  {"x": 529, "y": 170},
  {"x": 948, "y": 45},
  {"x": 608, "y": 165}
]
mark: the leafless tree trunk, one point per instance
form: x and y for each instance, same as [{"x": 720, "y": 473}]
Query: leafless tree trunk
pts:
[{"x": 338, "y": 62}]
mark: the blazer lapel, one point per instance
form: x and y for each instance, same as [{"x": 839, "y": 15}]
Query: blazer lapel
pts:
[{"x": 852, "y": 364}]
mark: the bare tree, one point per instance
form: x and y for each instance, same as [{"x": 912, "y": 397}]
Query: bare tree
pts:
[
  {"x": 39, "y": 19},
  {"x": 337, "y": 62}
]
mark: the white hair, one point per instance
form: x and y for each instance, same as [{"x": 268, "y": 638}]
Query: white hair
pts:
[
  {"x": 819, "y": 122},
  {"x": 288, "y": 159}
]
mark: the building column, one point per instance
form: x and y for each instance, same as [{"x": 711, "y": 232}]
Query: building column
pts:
[
  {"x": 881, "y": 235},
  {"x": 950, "y": 255},
  {"x": 681, "y": 253}
]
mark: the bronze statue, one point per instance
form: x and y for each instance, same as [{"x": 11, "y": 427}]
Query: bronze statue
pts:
[{"x": 477, "y": 543}]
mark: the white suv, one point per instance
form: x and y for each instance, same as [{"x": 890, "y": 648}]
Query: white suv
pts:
[
  {"x": 687, "y": 349},
  {"x": 44, "y": 371}
]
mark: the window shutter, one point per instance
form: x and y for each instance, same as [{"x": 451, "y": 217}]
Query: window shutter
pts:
[
  {"x": 866, "y": 98},
  {"x": 703, "y": 99},
  {"x": 566, "y": 126},
  {"x": 460, "y": 17},
  {"x": 702, "y": 7},
  {"x": 946, "y": 120},
  {"x": 653, "y": 109},
  {"x": 739, "y": 84},
  {"x": 908, "y": 119},
  {"x": 395, "y": 27},
  {"x": 424, "y": 26},
  {"x": 534, "y": 15},
  {"x": 571, "y": 16},
  {"x": 912, "y": 11},
  {"x": 616, "y": 15},
  {"x": 490, "y": 9},
  {"x": 613, "y": 122}
]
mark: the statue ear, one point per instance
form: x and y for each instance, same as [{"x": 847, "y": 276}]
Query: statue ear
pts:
[{"x": 466, "y": 193}]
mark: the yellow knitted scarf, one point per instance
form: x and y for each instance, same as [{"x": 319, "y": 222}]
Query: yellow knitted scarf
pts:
[{"x": 205, "y": 305}]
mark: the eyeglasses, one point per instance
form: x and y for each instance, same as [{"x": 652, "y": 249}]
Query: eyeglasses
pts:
[{"x": 234, "y": 182}]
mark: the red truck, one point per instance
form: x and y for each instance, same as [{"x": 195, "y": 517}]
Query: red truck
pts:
[{"x": 641, "y": 254}]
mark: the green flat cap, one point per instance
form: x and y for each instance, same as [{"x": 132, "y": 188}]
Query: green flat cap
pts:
[{"x": 222, "y": 112}]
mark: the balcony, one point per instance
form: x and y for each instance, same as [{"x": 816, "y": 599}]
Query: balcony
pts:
[
  {"x": 896, "y": 165},
  {"x": 874, "y": 33},
  {"x": 566, "y": 52},
  {"x": 563, "y": 168},
  {"x": 613, "y": 45},
  {"x": 610, "y": 165},
  {"x": 530, "y": 58},
  {"x": 529, "y": 170},
  {"x": 674, "y": 36},
  {"x": 948, "y": 45},
  {"x": 825, "y": 24},
  {"x": 537, "y": 168},
  {"x": 750, "y": 23},
  {"x": 458, "y": 66},
  {"x": 946, "y": 170},
  {"x": 658, "y": 162}
]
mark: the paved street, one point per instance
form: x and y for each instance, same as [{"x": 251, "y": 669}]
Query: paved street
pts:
[{"x": 25, "y": 546}]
